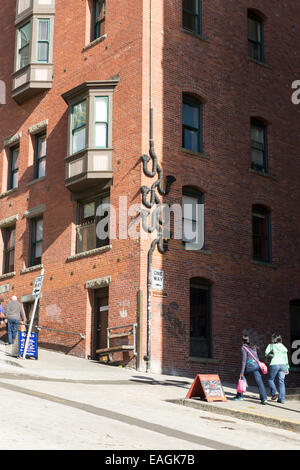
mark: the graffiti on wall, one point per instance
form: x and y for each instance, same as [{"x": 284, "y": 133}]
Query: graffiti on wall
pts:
[{"x": 174, "y": 326}]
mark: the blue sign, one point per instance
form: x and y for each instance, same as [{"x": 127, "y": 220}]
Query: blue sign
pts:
[{"x": 32, "y": 350}]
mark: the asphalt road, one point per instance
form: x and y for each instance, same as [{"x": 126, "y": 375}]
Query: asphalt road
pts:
[{"x": 46, "y": 413}]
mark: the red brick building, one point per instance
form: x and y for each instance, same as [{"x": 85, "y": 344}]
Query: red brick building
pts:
[{"x": 202, "y": 90}]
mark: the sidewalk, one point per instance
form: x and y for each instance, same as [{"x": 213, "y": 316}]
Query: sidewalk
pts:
[{"x": 60, "y": 367}]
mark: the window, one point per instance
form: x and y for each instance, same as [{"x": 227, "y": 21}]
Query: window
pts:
[
  {"x": 40, "y": 156},
  {"x": 36, "y": 241},
  {"x": 261, "y": 234},
  {"x": 101, "y": 121},
  {"x": 255, "y": 37},
  {"x": 191, "y": 124},
  {"x": 13, "y": 168},
  {"x": 9, "y": 249},
  {"x": 258, "y": 146},
  {"x": 24, "y": 34},
  {"x": 295, "y": 333},
  {"x": 200, "y": 318},
  {"x": 43, "y": 40},
  {"x": 192, "y": 219},
  {"x": 93, "y": 224},
  {"x": 191, "y": 15},
  {"x": 98, "y": 19},
  {"x": 79, "y": 126}
]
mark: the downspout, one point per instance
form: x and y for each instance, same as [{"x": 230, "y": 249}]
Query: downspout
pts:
[{"x": 154, "y": 199}]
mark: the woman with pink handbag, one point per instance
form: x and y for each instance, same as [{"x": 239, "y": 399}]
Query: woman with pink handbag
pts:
[{"x": 250, "y": 365}]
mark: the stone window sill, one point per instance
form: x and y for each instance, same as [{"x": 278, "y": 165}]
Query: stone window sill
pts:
[
  {"x": 36, "y": 180},
  {"x": 7, "y": 193},
  {"x": 94, "y": 43},
  {"x": 7, "y": 275},
  {"x": 32, "y": 268},
  {"x": 264, "y": 263},
  {"x": 204, "y": 360},
  {"x": 261, "y": 173},
  {"x": 259, "y": 62},
  {"x": 195, "y": 35},
  {"x": 195, "y": 154},
  {"x": 86, "y": 254},
  {"x": 202, "y": 251}
]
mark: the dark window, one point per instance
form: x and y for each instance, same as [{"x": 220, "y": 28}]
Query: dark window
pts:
[
  {"x": 93, "y": 224},
  {"x": 200, "y": 318},
  {"x": 98, "y": 19},
  {"x": 13, "y": 168},
  {"x": 191, "y": 15},
  {"x": 9, "y": 249},
  {"x": 191, "y": 125},
  {"x": 40, "y": 156},
  {"x": 36, "y": 241},
  {"x": 258, "y": 146},
  {"x": 295, "y": 333},
  {"x": 261, "y": 234},
  {"x": 255, "y": 37}
]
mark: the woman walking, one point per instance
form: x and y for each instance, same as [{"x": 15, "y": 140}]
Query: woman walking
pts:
[
  {"x": 250, "y": 366},
  {"x": 279, "y": 366}
]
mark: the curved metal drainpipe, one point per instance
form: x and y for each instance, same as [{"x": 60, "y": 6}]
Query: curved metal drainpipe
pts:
[{"x": 156, "y": 223}]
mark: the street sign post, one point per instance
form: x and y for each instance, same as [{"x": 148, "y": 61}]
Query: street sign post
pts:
[{"x": 37, "y": 288}]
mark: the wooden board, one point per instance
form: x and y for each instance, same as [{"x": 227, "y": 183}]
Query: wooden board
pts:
[{"x": 207, "y": 387}]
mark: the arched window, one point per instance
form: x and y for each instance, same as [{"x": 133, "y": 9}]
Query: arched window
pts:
[
  {"x": 295, "y": 333},
  {"x": 192, "y": 124},
  {"x": 192, "y": 218},
  {"x": 259, "y": 154},
  {"x": 255, "y": 36},
  {"x": 261, "y": 234},
  {"x": 200, "y": 318}
]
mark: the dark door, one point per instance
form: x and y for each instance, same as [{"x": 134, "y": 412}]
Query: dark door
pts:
[{"x": 100, "y": 319}]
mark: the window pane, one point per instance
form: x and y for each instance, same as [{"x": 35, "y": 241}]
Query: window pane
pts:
[
  {"x": 43, "y": 30},
  {"x": 190, "y": 115},
  {"x": 79, "y": 140},
  {"x": 42, "y": 168},
  {"x": 39, "y": 230},
  {"x": 38, "y": 250},
  {"x": 79, "y": 115},
  {"x": 101, "y": 135},
  {"x": 42, "y": 145},
  {"x": 24, "y": 56},
  {"x": 254, "y": 30},
  {"x": 25, "y": 35},
  {"x": 15, "y": 158},
  {"x": 257, "y": 134},
  {"x": 190, "y": 231},
  {"x": 101, "y": 109},
  {"x": 43, "y": 52},
  {"x": 191, "y": 140},
  {"x": 14, "y": 180},
  {"x": 189, "y": 21},
  {"x": 257, "y": 158},
  {"x": 190, "y": 5},
  {"x": 89, "y": 210}
]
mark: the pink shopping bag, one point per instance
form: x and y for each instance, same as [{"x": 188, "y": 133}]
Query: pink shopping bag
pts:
[{"x": 242, "y": 386}]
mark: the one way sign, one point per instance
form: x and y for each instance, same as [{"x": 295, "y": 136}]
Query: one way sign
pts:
[{"x": 37, "y": 286}]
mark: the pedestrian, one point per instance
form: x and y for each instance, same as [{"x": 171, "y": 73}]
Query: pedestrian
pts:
[
  {"x": 250, "y": 367},
  {"x": 2, "y": 312},
  {"x": 279, "y": 367},
  {"x": 14, "y": 311}
]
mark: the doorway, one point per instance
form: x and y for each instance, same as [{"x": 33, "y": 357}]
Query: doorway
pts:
[{"x": 100, "y": 320}]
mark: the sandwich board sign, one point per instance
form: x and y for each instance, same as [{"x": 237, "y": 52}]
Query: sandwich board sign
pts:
[
  {"x": 207, "y": 387},
  {"x": 36, "y": 292}
]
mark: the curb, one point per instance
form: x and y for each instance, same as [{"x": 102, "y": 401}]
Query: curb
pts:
[{"x": 246, "y": 415}]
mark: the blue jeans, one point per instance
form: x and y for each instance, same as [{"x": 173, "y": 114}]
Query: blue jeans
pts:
[
  {"x": 253, "y": 368},
  {"x": 12, "y": 330},
  {"x": 278, "y": 370}
]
